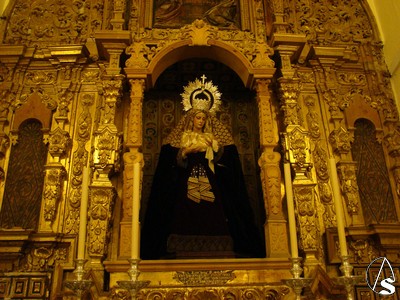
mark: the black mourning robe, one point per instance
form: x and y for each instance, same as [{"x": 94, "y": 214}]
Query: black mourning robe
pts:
[{"x": 169, "y": 211}]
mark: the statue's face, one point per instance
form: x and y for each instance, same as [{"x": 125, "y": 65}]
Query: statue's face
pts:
[{"x": 199, "y": 121}]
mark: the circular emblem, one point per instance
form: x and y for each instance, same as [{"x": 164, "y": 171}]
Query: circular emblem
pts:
[{"x": 380, "y": 276}]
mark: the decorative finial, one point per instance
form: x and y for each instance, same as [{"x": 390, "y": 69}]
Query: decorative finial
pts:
[{"x": 201, "y": 95}]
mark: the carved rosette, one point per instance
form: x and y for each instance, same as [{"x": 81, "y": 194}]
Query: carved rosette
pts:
[
  {"x": 100, "y": 210},
  {"x": 54, "y": 177},
  {"x": 289, "y": 91},
  {"x": 347, "y": 172}
]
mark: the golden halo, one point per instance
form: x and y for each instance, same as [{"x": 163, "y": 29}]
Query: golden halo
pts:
[{"x": 201, "y": 95}]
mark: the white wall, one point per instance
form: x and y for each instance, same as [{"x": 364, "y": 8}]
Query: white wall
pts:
[
  {"x": 3, "y": 5},
  {"x": 387, "y": 16}
]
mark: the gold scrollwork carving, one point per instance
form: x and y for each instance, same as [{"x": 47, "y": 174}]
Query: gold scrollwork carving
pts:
[
  {"x": 52, "y": 191},
  {"x": 42, "y": 259},
  {"x": 216, "y": 293},
  {"x": 79, "y": 159},
  {"x": 289, "y": 92},
  {"x": 297, "y": 145},
  {"x": 304, "y": 196},
  {"x": 59, "y": 142},
  {"x": 348, "y": 179},
  {"x": 340, "y": 140},
  {"x": 101, "y": 201}
]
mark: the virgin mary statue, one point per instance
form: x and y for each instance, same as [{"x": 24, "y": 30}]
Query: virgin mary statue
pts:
[{"x": 198, "y": 205}]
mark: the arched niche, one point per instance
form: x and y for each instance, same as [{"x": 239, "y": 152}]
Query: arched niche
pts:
[
  {"x": 373, "y": 180},
  {"x": 142, "y": 79},
  {"x": 162, "y": 110},
  {"x": 25, "y": 178}
]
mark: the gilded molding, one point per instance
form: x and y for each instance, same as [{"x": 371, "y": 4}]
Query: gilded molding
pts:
[
  {"x": 211, "y": 293},
  {"x": 79, "y": 159},
  {"x": 199, "y": 33},
  {"x": 319, "y": 156}
]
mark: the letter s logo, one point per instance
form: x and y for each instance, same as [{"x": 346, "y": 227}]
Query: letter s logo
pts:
[{"x": 386, "y": 285}]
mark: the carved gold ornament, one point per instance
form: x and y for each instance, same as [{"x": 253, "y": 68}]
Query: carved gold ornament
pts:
[{"x": 201, "y": 95}]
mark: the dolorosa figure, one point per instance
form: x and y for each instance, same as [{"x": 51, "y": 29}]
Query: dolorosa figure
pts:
[{"x": 198, "y": 205}]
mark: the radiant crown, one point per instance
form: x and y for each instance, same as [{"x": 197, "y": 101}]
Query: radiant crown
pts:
[{"x": 201, "y": 95}]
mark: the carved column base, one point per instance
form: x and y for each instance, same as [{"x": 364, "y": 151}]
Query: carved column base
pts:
[{"x": 276, "y": 238}]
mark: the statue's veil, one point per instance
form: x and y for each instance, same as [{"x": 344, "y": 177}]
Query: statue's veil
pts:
[{"x": 219, "y": 130}]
